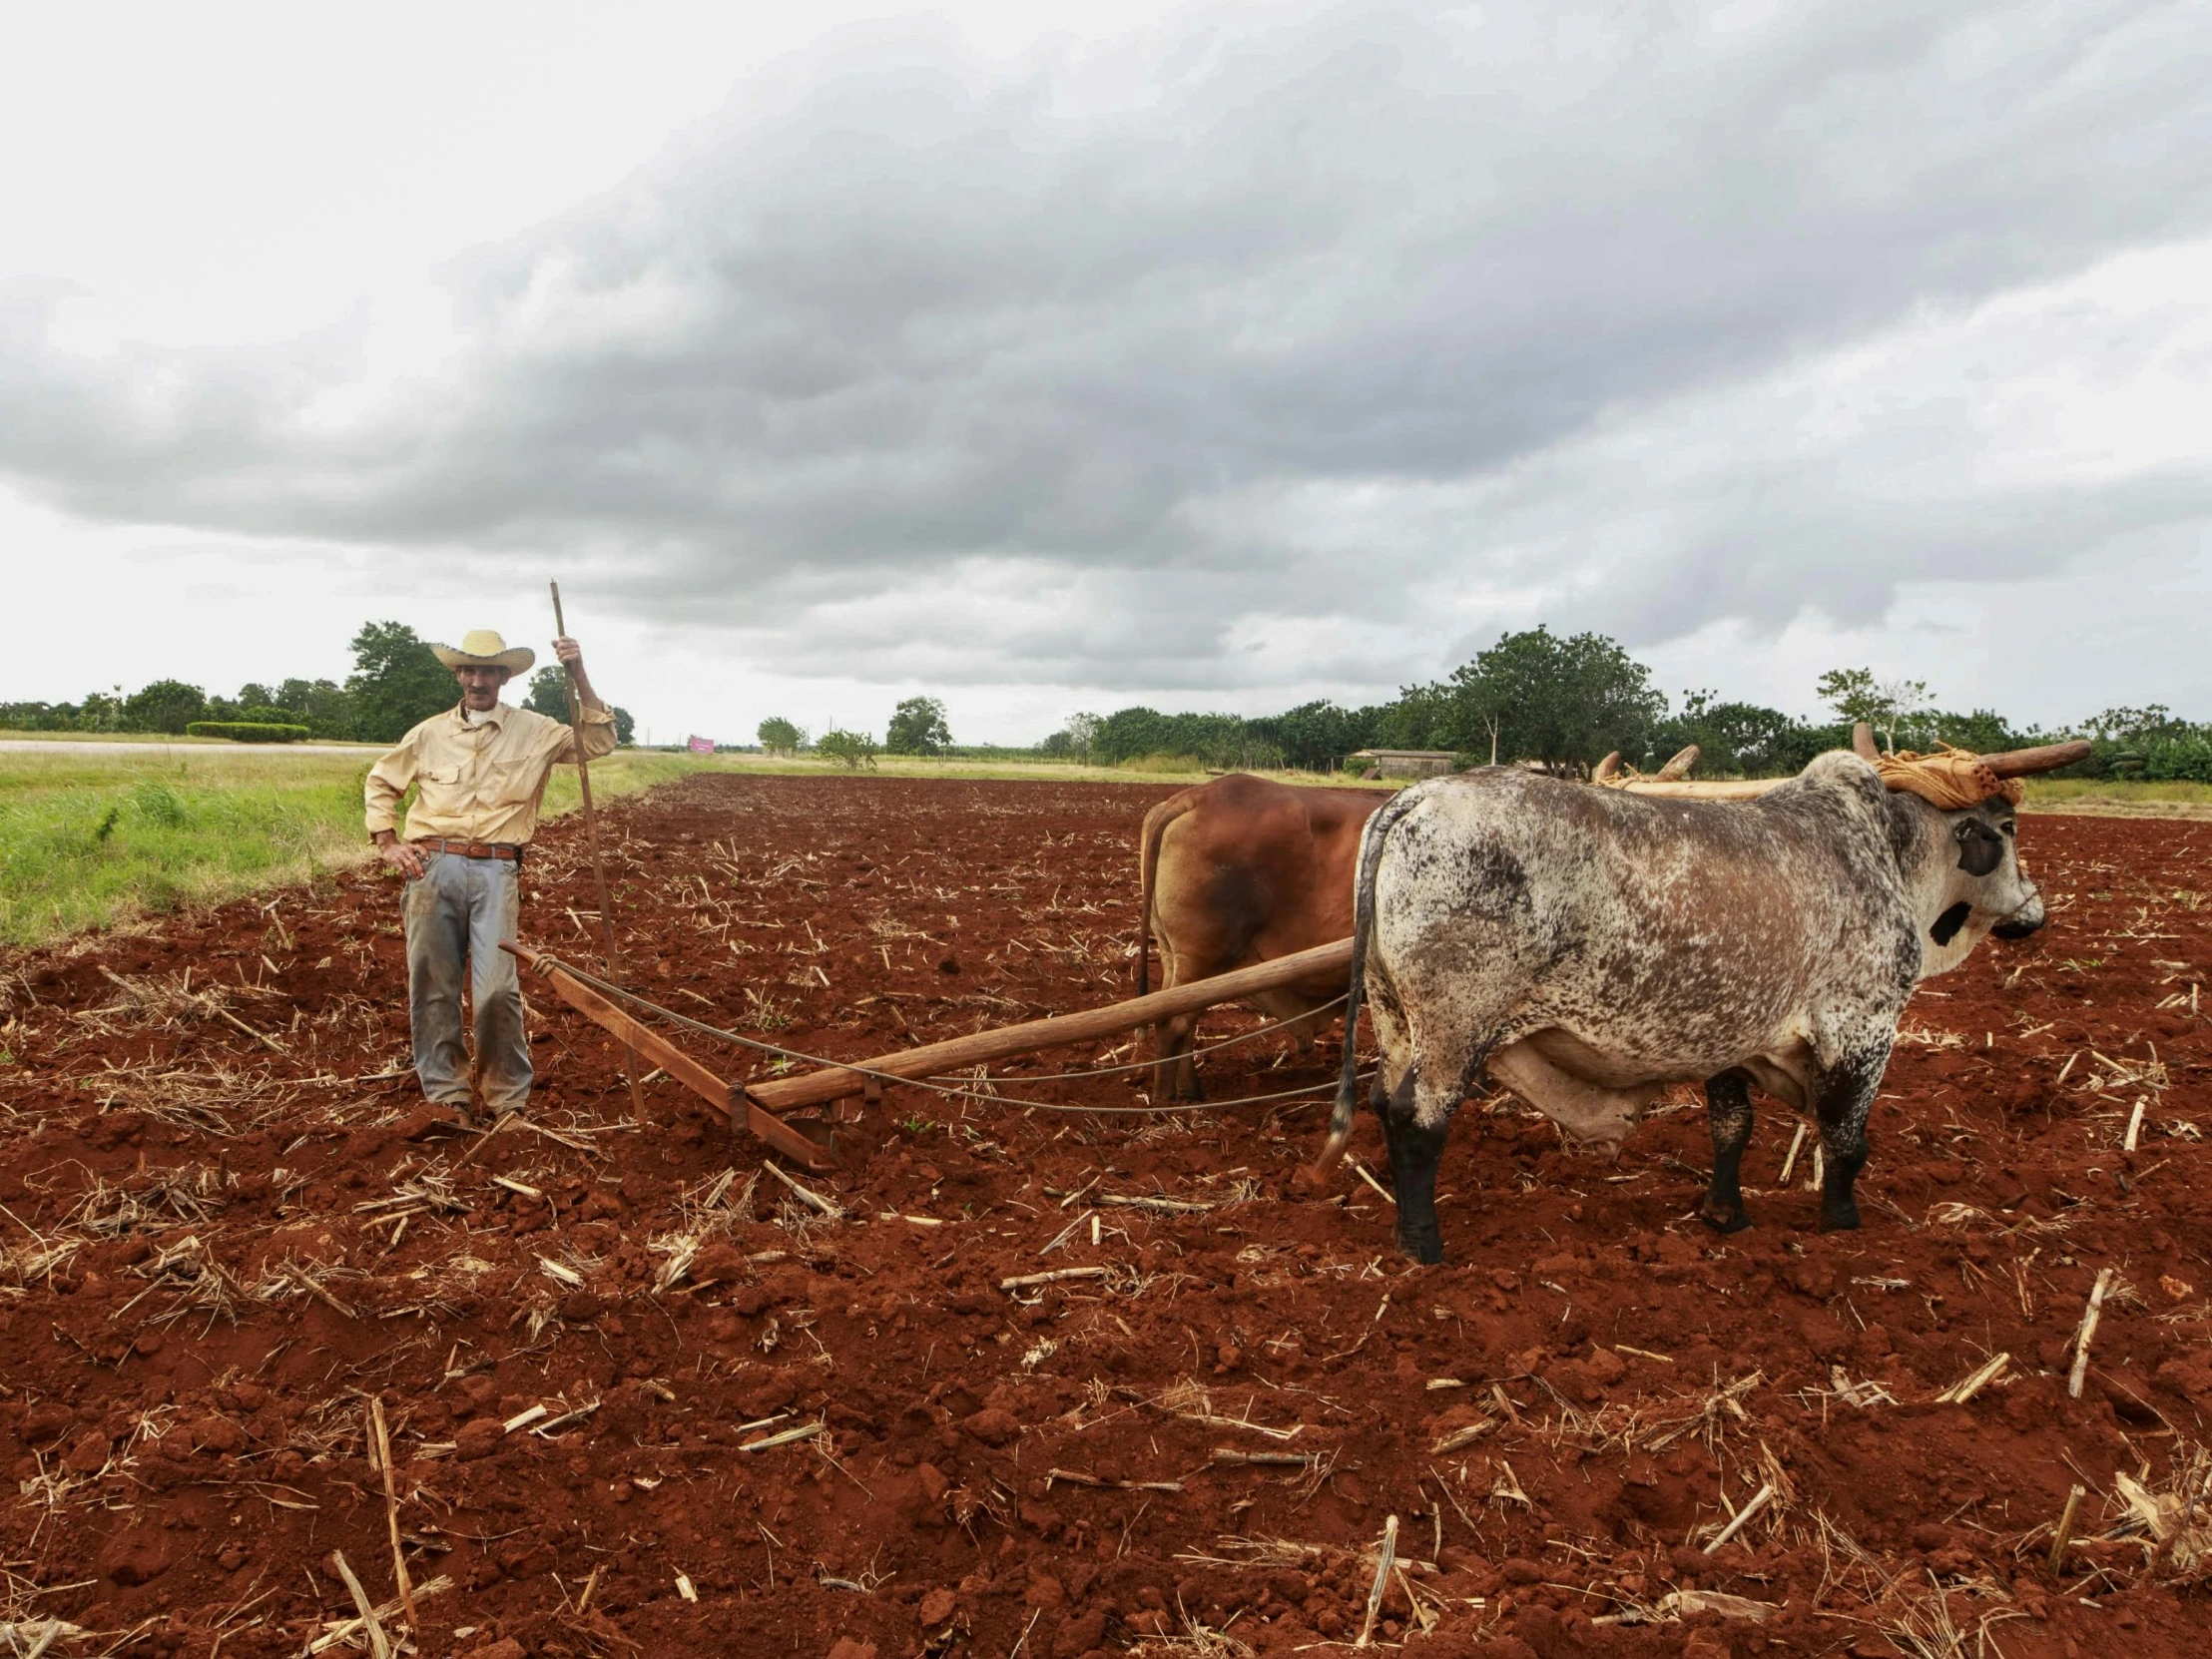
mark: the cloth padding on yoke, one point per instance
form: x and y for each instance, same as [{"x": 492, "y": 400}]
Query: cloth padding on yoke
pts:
[{"x": 1949, "y": 780}]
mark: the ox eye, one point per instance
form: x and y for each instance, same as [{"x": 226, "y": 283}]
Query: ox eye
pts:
[{"x": 2009, "y": 827}]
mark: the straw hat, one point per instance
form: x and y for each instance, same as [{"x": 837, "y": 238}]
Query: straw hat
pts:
[{"x": 481, "y": 648}]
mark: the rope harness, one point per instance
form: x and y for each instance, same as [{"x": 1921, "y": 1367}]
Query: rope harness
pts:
[{"x": 608, "y": 988}]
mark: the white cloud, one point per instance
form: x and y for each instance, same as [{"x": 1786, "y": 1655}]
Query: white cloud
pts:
[{"x": 1231, "y": 357}]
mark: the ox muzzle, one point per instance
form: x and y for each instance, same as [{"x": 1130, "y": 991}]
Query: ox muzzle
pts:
[{"x": 2023, "y": 921}]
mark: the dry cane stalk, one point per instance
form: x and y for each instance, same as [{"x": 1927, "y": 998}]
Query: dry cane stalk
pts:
[
  {"x": 378, "y": 1644},
  {"x": 1742, "y": 1516},
  {"x": 2089, "y": 1332},
  {"x": 392, "y": 1513},
  {"x": 2064, "y": 1535},
  {"x": 1383, "y": 1566}
]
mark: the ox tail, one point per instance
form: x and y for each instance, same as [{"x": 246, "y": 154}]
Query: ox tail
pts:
[
  {"x": 1362, "y": 929},
  {"x": 1154, "y": 829}
]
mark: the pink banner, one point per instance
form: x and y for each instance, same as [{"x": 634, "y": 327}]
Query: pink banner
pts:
[{"x": 703, "y": 746}]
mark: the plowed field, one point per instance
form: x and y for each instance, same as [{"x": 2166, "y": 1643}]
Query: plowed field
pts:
[{"x": 228, "y": 1230}]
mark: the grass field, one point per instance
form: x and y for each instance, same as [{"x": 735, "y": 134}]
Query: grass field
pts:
[
  {"x": 93, "y": 840},
  {"x": 111, "y": 830}
]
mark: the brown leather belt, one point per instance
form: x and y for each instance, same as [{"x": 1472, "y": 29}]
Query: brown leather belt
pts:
[{"x": 472, "y": 850}]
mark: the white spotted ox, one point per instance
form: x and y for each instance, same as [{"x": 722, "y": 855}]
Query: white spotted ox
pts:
[{"x": 1590, "y": 947}]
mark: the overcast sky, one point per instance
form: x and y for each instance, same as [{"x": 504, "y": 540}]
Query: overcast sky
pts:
[{"x": 1049, "y": 357}]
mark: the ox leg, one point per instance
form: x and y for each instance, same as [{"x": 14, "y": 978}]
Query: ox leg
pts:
[
  {"x": 1415, "y": 1152},
  {"x": 1846, "y": 1096},
  {"x": 1175, "y": 1077},
  {"x": 1728, "y": 1106}
]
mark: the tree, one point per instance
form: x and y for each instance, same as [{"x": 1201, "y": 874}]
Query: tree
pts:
[
  {"x": 164, "y": 706},
  {"x": 854, "y": 749},
  {"x": 918, "y": 727},
  {"x": 1082, "y": 731},
  {"x": 1535, "y": 695},
  {"x": 396, "y": 683},
  {"x": 779, "y": 737},
  {"x": 1855, "y": 695},
  {"x": 548, "y": 694},
  {"x": 1733, "y": 739},
  {"x": 626, "y": 728}
]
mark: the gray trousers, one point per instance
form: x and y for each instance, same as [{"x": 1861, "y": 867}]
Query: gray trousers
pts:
[{"x": 456, "y": 912}]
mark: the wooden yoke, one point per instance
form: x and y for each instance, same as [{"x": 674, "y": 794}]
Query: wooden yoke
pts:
[{"x": 642, "y": 1040}]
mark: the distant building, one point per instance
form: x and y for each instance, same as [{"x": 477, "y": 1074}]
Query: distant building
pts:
[{"x": 1401, "y": 763}]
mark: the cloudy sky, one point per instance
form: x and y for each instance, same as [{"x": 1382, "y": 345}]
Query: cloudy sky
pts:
[{"x": 1056, "y": 356}]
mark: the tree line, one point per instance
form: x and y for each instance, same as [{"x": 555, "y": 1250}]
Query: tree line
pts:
[
  {"x": 1565, "y": 702},
  {"x": 395, "y": 684}
]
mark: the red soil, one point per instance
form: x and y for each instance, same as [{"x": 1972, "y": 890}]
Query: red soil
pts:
[{"x": 198, "y": 1294}]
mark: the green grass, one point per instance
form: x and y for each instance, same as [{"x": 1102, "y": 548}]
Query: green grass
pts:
[
  {"x": 119, "y": 832},
  {"x": 2093, "y": 794},
  {"x": 110, "y": 832}
]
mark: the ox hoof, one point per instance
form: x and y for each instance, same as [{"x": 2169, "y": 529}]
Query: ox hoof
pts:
[
  {"x": 1724, "y": 1221},
  {"x": 1840, "y": 1217},
  {"x": 1427, "y": 1248}
]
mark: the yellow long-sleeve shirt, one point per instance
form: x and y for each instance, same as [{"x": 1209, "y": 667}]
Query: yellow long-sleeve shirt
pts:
[{"x": 479, "y": 783}]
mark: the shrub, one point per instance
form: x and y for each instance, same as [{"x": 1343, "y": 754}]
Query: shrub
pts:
[
  {"x": 854, "y": 749},
  {"x": 245, "y": 730}
]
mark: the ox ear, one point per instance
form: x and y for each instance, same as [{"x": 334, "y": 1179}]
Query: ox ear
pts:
[{"x": 1980, "y": 848}]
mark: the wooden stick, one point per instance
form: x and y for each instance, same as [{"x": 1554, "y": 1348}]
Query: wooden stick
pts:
[
  {"x": 2088, "y": 1333},
  {"x": 392, "y": 1513},
  {"x": 598, "y": 863},
  {"x": 1322, "y": 961},
  {"x": 1232, "y": 1457},
  {"x": 1383, "y": 1566},
  {"x": 2062, "y": 1535},
  {"x": 2134, "y": 1125},
  {"x": 379, "y": 1643}
]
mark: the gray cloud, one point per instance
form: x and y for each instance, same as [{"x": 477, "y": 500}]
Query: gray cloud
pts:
[{"x": 1080, "y": 361}]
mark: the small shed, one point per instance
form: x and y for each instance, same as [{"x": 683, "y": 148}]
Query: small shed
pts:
[{"x": 1402, "y": 763}]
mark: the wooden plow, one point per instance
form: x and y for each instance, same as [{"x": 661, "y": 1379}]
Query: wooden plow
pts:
[{"x": 773, "y": 1109}]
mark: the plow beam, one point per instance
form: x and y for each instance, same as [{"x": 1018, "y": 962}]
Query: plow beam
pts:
[
  {"x": 642, "y": 1040},
  {"x": 814, "y": 1088}
]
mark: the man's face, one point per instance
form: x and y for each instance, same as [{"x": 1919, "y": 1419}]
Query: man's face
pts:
[{"x": 480, "y": 686}]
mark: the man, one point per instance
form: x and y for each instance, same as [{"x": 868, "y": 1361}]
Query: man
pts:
[{"x": 480, "y": 771}]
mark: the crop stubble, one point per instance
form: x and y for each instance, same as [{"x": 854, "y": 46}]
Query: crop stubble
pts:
[{"x": 644, "y": 1398}]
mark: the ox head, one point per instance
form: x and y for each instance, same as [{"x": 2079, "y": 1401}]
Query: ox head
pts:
[
  {"x": 1962, "y": 863},
  {"x": 1966, "y": 879}
]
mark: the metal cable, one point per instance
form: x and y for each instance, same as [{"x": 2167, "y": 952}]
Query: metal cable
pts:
[{"x": 608, "y": 988}]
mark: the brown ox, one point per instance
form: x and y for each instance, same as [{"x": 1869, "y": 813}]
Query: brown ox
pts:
[{"x": 1242, "y": 870}]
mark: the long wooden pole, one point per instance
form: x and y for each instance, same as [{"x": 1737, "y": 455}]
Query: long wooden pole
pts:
[
  {"x": 671, "y": 1059},
  {"x": 598, "y": 861},
  {"x": 783, "y": 1094}
]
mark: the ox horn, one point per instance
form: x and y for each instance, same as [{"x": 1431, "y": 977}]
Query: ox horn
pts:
[
  {"x": 1606, "y": 768},
  {"x": 1679, "y": 767},
  {"x": 2049, "y": 757},
  {"x": 1861, "y": 743}
]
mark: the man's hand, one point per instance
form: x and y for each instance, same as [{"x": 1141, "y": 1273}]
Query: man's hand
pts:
[
  {"x": 397, "y": 854},
  {"x": 572, "y": 658}
]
